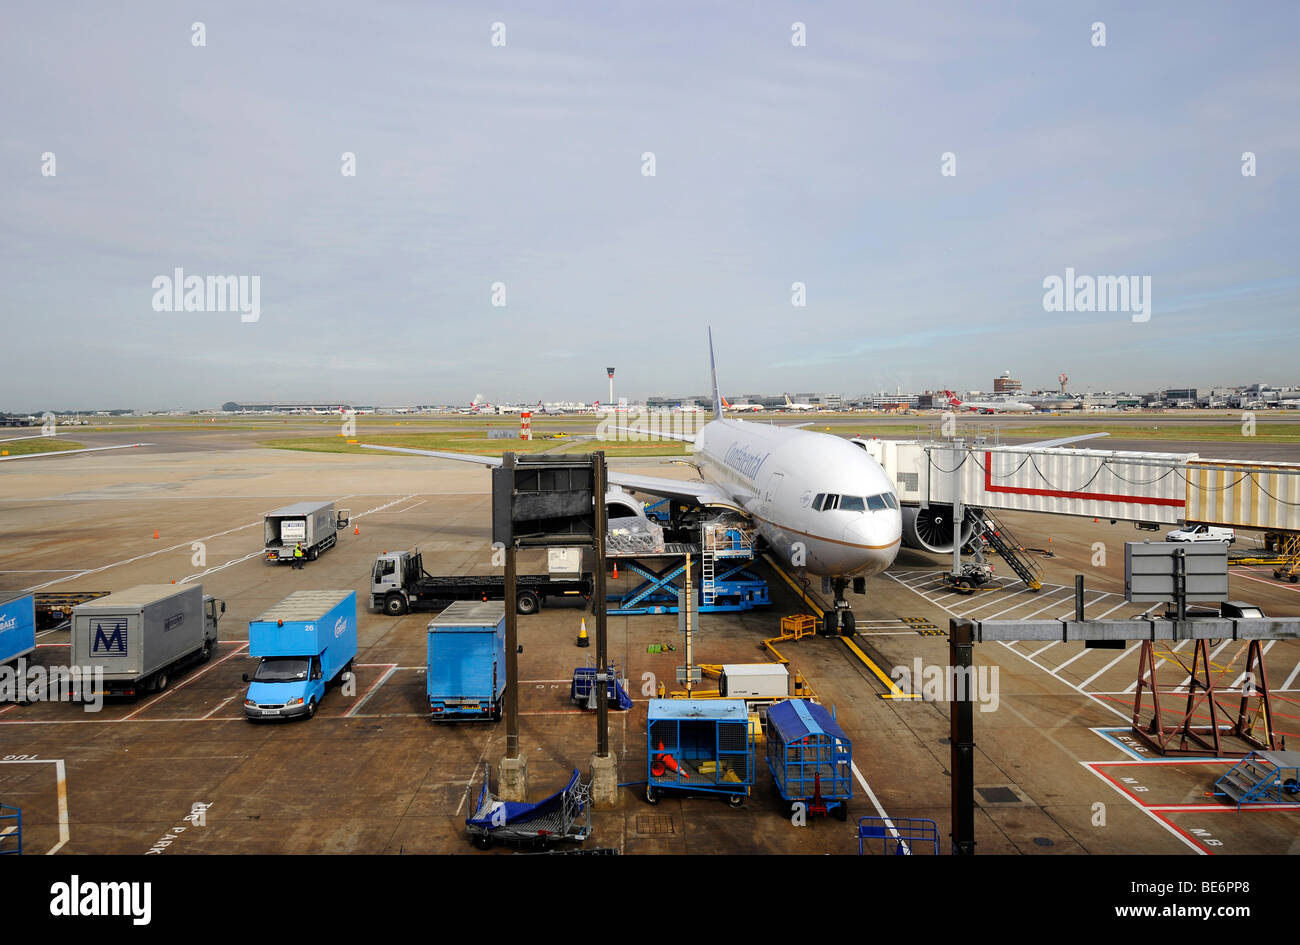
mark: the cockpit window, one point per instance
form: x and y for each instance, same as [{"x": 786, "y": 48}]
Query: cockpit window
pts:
[
  {"x": 876, "y": 503},
  {"x": 852, "y": 503},
  {"x": 832, "y": 502},
  {"x": 817, "y": 501}
]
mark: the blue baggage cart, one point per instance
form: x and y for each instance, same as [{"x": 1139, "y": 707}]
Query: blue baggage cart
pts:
[
  {"x": 810, "y": 757},
  {"x": 699, "y": 745}
]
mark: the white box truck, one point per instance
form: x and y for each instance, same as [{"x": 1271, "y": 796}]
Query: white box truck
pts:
[
  {"x": 142, "y": 636},
  {"x": 314, "y": 525}
]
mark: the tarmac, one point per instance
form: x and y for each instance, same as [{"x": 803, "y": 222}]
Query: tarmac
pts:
[{"x": 1058, "y": 769}]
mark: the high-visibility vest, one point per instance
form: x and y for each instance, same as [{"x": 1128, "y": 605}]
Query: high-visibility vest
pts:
[{"x": 297, "y": 552}]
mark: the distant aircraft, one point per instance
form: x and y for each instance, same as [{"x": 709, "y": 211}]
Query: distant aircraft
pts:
[
  {"x": 816, "y": 499},
  {"x": 794, "y": 406},
  {"x": 988, "y": 406},
  {"x": 750, "y": 407}
]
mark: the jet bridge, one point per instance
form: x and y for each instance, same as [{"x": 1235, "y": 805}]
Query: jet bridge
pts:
[{"x": 1147, "y": 487}]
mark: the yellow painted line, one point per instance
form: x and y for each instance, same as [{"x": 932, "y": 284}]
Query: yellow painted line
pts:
[
  {"x": 797, "y": 589},
  {"x": 894, "y": 691}
]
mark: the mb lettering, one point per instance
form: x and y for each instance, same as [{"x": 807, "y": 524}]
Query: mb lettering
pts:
[
  {"x": 181, "y": 293},
  {"x": 945, "y": 683},
  {"x": 1098, "y": 294},
  {"x": 76, "y": 898},
  {"x": 340, "y": 627}
]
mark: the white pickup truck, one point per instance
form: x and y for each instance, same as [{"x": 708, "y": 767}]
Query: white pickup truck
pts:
[{"x": 1203, "y": 533}]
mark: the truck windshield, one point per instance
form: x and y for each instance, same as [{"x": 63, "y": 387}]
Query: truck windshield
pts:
[{"x": 281, "y": 669}]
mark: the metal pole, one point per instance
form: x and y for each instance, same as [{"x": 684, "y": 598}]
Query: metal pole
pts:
[
  {"x": 512, "y": 636},
  {"x": 1078, "y": 597},
  {"x": 686, "y": 607},
  {"x": 958, "y": 512},
  {"x": 961, "y": 735},
  {"x": 598, "y": 604}
]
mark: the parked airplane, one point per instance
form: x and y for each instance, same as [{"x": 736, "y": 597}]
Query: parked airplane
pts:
[
  {"x": 793, "y": 406},
  {"x": 988, "y": 406},
  {"x": 820, "y": 503},
  {"x": 741, "y": 407}
]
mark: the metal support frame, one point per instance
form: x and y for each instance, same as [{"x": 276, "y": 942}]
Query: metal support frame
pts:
[
  {"x": 1185, "y": 738},
  {"x": 512, "y": 639},
  {"x": 598, "y": 600}
]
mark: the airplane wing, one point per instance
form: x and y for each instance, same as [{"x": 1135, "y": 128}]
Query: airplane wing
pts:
[
  {"x": 683, "y": 490},
  {"x": 89, "y": 449}
]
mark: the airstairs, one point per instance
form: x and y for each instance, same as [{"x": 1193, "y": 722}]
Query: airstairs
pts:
[{"x": 1263, "y": 777}]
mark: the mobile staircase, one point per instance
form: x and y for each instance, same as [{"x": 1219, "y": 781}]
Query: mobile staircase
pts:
[
  {"x": 997, "y": 536},
  {"x": 722, "y": 540},
  {"x": 11, "y": 830},
  {"x": 1262, "y": 777}
]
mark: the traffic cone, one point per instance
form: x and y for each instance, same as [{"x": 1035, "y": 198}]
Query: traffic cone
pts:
[
  {"x": 582, "y": 634},
  {"x": 155, "y": 533},
  {"x": 615, "y": 570},
  {"x": 356, "y": 529},
  {"x": 670, "y": 763}
]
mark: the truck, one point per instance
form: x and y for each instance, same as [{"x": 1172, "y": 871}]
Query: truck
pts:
[
  {"x": 314, "y": 525},
  {"x": 399, "y": 583},
  {"x": 305, "y": 642},
  {"x": 466, "y": 676},
  {"x": 142, "y": 636},
  {"x": 17, "y": 627}
]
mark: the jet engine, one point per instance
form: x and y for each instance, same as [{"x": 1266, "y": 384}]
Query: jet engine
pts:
[{"x": 931, "y": 529}]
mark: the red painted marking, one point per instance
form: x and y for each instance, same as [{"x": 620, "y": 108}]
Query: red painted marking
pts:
[{"x": 1064, "y": 494}]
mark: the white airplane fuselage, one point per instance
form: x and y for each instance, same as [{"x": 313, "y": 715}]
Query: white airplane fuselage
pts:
[{"x": 774, "y": 473}]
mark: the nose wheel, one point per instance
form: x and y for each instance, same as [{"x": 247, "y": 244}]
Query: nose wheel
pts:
[{"x": 840, "y": 622}]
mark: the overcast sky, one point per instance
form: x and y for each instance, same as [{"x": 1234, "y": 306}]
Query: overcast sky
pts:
[{"x": 523, "y": 164}]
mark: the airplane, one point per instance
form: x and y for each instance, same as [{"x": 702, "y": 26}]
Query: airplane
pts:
[
  {"x": 792, "y": 406},
  {"x": 822, "y": 504},
  {"x": 988, "y": 406},
  {"x": 741, "y": 407}
]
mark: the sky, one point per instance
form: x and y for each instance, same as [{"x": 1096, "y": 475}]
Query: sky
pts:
[{"x": 501, "y": 150}]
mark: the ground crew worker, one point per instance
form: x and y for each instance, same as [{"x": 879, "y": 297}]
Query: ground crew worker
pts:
[{"x": 297, "y": 556}]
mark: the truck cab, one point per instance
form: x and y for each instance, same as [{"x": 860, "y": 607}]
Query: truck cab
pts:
[
  {"x": 390, "y": 578},
  {"x": 285, "y": 687}
]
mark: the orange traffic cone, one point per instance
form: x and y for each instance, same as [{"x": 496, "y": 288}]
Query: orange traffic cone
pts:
[
  {"x": 582, "y": 634},
  {"x": 670, "y": 763},
  {"x": 615, "y": 570},
  {"x": 155, "y": 533},
  {"x": 356, "y": 529}
]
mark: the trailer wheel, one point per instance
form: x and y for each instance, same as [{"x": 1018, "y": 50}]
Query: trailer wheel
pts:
[
  {"x": 1293, "y": 578},
  {"x": 311, "y": 555},
  {"x": 651, "y": 794},
  {"x": 482, "y": 840},
  {"x": 496, "y": 711},
  {"x": 842, "y": 812},
  {"x": 394, "y": 605},
  {"x": 735, "y": 800},
  {"x": 527, "y": 603},
  {"x": 160, "y": 681}
]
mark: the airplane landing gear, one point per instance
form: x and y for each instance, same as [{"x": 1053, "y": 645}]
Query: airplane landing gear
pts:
[{"x": 840, "y": 622}]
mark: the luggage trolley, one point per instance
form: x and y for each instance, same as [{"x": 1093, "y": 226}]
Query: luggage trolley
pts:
[
  {"x": 699, "y": 745},
  {"x": 810, "y": 757}
]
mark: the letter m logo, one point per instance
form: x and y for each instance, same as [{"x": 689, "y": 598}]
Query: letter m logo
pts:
[{"x": 109, "y": 638}]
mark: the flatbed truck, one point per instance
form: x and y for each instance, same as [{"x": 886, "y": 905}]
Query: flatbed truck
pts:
[{"x": 399, "y": 583}]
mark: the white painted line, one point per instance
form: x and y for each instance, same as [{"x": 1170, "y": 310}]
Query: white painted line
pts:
[
  {"x": 871, "y": 795},
  {"x": 1082, "y": 652},
  {"x": 1133, "y": 801},
  {"x": 1042, "y": 649},
  {"x": 1103, "y": 616},
  {"x": 193, "y": 678},
  {"x": 1020, "y": 602},
  {"x": 220, "y": 705},
  {"x": 1056, "y": 603},
  {"x": 1069, "y": 615},
  {"x": 221, "y": 567},
  {"x": 374, "y": 686},
  {"x": 1117, "y": 659},
  {"x": 1290, "y": 679},
  {"x": 61, "y": 786},
  {"x": 407, "y": 509}
]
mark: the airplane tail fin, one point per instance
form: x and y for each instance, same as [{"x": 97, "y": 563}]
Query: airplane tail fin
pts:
[
  {"x": 787, "y": 400},
  {"x": 717, "y": 394}
]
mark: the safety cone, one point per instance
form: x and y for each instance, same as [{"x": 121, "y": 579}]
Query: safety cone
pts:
[
  {"x": 356, "y": 529},
  {"x": 670, "y": 763},
  {"x": 615, "y": 570},
  {"x": 155, "y": 533},
  {"x": 582, "y": 634}
]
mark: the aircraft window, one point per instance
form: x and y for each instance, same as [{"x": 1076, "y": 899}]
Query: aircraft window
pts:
[
  {"x": 817, "y": 501},
  {"x": 852, "y": 503},
  {"x": 877, "y": 503},
  {"x": 891, "y": 500},
  {"x": 832, "y": 502}
]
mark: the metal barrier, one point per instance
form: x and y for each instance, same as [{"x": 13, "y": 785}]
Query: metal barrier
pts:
[
  {"x": 905, "y": 833},
  {"x": 11, "y": 830}
]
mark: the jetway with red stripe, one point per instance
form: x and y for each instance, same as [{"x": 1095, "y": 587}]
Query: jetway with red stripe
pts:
[{"x": 1164, "y": 488}]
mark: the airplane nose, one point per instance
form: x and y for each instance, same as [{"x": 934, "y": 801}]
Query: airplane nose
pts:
[{"x": 879, "y": 531}]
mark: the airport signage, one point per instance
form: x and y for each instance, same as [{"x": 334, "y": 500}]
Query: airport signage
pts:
[
  {"x": 544, "y": 500},
  {"x": 1163, "y": 571}
]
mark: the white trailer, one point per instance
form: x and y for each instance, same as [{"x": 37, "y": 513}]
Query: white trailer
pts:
[{"x": 314, "y": 525}]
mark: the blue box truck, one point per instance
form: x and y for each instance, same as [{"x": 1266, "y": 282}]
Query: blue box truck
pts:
[
  {"x": 466, "y": 678},
  {"x": 305, "y": 642},
  {"x": 17, "y": 627}
]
